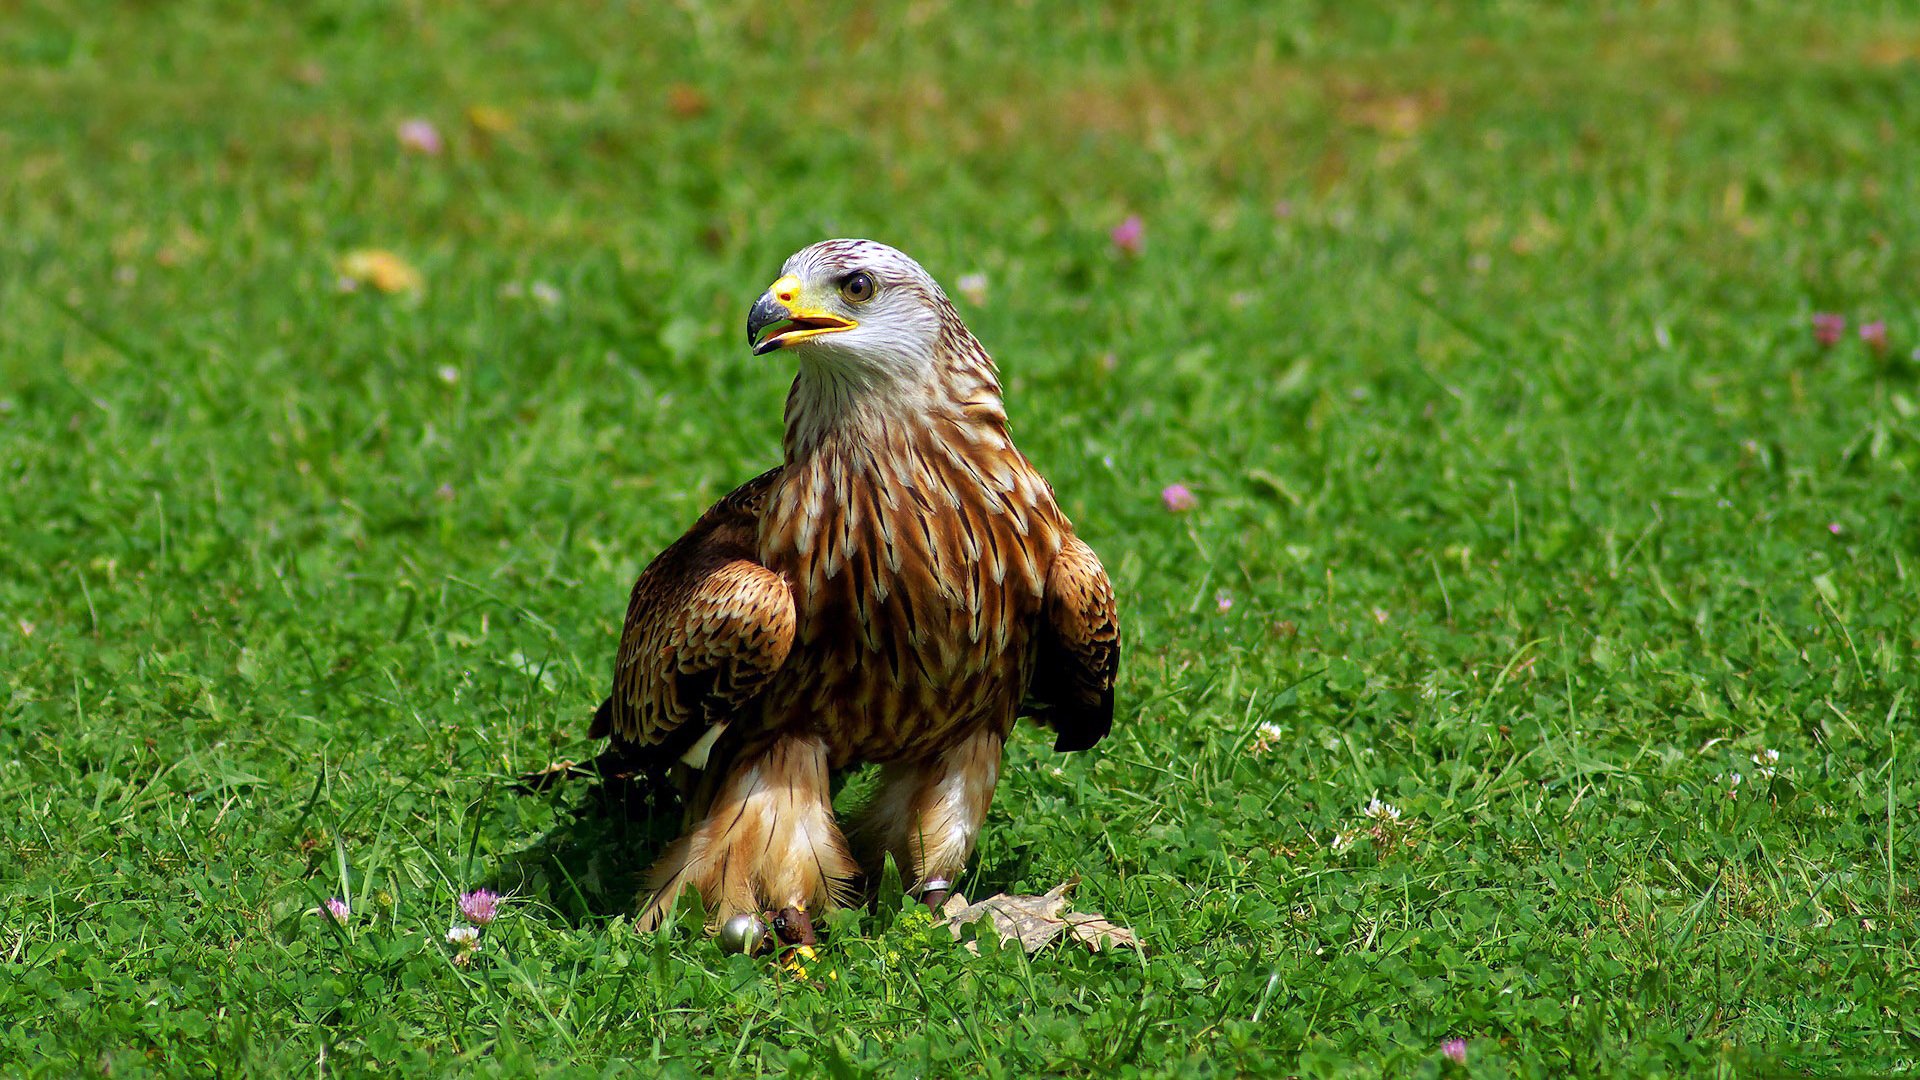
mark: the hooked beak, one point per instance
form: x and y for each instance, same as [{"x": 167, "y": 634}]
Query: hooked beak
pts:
[{"x": 778, "y": 319}]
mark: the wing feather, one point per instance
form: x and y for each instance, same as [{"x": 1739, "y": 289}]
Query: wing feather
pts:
[
  {"x": 707, "y": 627},
  {"x": 1079, "y": 650}
]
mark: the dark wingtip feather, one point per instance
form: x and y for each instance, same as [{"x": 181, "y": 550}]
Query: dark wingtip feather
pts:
[{"x": 1081, "y": 729}]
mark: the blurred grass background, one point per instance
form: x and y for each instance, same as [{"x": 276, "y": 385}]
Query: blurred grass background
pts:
[{"x": 1527, "y": 501}]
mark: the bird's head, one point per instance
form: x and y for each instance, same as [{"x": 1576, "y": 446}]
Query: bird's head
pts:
[
  {"x": 877, "y": 343},
  {"x": 854, "y": 310}
]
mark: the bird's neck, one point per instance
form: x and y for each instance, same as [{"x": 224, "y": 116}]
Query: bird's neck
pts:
[{"x": 839, "y": 407}]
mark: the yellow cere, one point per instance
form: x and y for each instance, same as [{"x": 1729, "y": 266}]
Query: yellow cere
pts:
[{"x": 786, "y": 290}]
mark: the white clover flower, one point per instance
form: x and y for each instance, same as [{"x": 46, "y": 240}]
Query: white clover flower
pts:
[
  {"x": 1344, "y": 839},
  {"x": 1766, "y": 764},
  {"x": 463, "y": 937},
  {"x": 1384, "y": 813},
  {"x": 1266, "y": 737}
]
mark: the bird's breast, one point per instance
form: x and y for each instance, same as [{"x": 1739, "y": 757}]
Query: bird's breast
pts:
[{"x": 917, "y": 577}]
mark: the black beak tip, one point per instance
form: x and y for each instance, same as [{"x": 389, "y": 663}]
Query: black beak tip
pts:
[{"x": 766, "y": 311}]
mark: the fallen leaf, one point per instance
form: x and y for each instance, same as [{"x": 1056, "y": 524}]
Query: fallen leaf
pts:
[
  {"x": 1037, "y": 921},
  {"x": 1096, "y": 932},
  {"x": 383, "y": 270},
  {"x": 686, "y": 101},
  {"x": 488, "y": 120}
]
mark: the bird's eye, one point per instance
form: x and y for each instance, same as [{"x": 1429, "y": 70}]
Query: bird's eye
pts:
[{"x": 858, "y": 288}]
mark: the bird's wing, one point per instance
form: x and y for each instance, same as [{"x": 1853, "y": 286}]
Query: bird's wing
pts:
[
  {"x": 706, "y": 628},
  {"x": 1072, "y": 690}
]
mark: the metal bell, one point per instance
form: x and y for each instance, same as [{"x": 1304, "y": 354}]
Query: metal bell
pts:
[{"x": 744, "y": 933}]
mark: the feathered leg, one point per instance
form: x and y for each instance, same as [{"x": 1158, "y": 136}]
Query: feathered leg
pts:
[
  {"x": 766, "y": 839},
  {"x": 928, "y": 814}
]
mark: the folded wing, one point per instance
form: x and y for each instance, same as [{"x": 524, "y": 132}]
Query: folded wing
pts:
[
  {"x": 706, "y": 628},
  {"x": 1079, "y": 654}
]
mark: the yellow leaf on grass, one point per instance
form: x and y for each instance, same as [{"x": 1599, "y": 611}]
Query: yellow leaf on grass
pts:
[
  {"x": 381, "y": 269},
  {"x": 489, "y": 120}
]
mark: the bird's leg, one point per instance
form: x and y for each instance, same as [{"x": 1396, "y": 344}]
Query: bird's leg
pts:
[
  {"x": 928, "y": 815},
  {"x": 766, "y": 834},
  {"x": 934, "y": 893}
]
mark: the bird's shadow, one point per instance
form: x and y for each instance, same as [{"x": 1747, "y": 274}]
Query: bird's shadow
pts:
[
  {"x": 997, "y": 870},
  {"x": 591, "y": 865}
]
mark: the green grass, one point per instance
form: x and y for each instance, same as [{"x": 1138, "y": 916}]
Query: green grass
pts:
[{"x": 1540, "y": 510}]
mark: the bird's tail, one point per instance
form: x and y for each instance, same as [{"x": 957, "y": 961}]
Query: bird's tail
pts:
[
  {"x": 621, "y": 768},
  {"x": 602, "y": 725}
]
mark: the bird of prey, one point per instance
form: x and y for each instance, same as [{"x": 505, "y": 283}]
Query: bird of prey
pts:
[{"x": 896, "y": 593}]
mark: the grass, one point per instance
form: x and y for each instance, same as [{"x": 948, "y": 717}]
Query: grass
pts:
[{"x": 1481, "y": 333}]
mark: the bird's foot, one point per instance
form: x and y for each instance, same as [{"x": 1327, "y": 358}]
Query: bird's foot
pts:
[
  {"x": 790, "y": 928},
  {"x": 934, "y": 893},
  {"x": 794, "y": 928}
]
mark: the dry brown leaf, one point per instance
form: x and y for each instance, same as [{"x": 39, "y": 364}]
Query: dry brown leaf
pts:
[
  {"x": 686, "y": 101},
  {"x": 1037, "y": 921},
  {"x": 1096, "y": 932}
]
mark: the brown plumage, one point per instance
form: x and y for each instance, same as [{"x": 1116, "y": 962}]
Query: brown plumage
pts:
[{"x": 895, "y": 593}]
